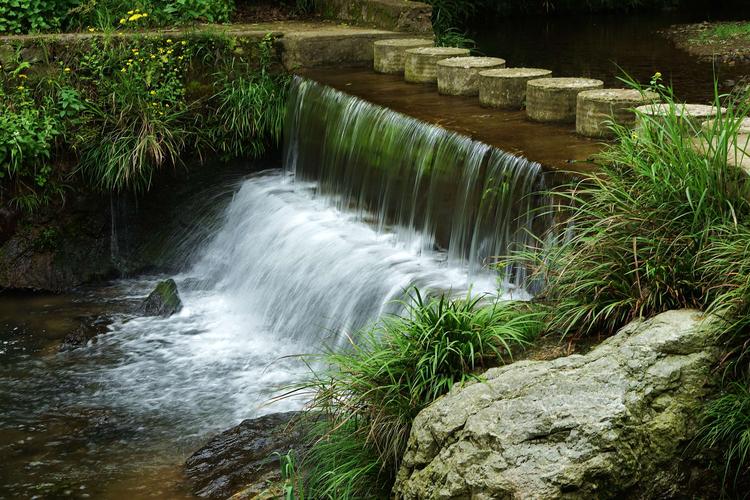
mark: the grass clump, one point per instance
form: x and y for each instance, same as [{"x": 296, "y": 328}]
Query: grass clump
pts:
[
  {"x": 664, "y": 224},
  {"x": 371, "y": 392},
  {"x": 725, "y": 31}
]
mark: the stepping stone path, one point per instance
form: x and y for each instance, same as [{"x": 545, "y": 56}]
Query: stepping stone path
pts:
[
  {"x": 596, "y": 109},
  {"x": 420, "y": 64},
  {"x": 389, "y": 54},
  {"x": 693, "y": 115},
  {"x": 506, "y": 87},
  {"x": 738, "y": 150},
  {"x": 554, "y": 99},
  {"x": 460, "y": 75}
]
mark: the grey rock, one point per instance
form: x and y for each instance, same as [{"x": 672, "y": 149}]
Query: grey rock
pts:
[
  {"x": 611, "y": 423},
  {"x": 163, "y": 301},
  {"x": 244, "y": 458}
]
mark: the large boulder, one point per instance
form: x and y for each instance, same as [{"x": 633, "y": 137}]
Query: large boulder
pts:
[
  {"x": 612, "y": 423},
  {"x": 245, "y": 460},
  {"x": 163, "y": 301}
]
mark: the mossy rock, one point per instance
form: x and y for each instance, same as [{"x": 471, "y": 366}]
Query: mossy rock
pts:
[{"x": 163, "y": 301}]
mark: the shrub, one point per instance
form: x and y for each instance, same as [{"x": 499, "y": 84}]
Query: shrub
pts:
[
  {"x": 28, "y": 16},
  {"x": 372, "y": 392},
  {"x": 28, "y": 134}
]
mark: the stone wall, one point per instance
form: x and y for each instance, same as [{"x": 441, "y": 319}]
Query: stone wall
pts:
[{"x": 396, "y": 15}]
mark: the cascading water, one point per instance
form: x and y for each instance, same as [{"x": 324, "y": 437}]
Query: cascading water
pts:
[
  {"x": 415, "y": 179},
  {"x": 368, "y": 203}
]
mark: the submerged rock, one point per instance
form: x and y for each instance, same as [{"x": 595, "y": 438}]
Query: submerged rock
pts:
[
  {"x": 244, "y": 458},
  {"x": 89, "y": 328},
  {"x": 612, "y": 423},
  {"x": 163, "y": 301}
]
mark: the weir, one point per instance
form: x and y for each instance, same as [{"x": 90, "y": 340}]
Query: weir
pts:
[{"x": 453, "y": 194}]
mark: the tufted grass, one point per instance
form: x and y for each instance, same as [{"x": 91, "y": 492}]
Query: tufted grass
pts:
[
  {"x": 371, "y": 392},
  {"x": 664, "y": 224}
]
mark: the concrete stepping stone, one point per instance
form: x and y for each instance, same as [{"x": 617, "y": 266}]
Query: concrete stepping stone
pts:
[
  {"x": 388, "y": 55},
  {"x": 506, "y": 87},
  {"x": 460, "y": 75},
  {"x": 693, "y": 115},
  {"x": 738, "y": 147},
  {"x": 420, "y": 64},
  {"x": 597, "y": 109},
  {"x": 555, "y": 99}
]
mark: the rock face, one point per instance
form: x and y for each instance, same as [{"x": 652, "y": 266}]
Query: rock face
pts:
[
  {"x": 245, "y": 458},
  {"x": 163, "y": 301},
  {"x": 611, "y": 423}
]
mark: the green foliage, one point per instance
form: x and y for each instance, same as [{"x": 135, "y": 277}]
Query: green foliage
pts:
[
  {"x": 249, "y": 107},
  {"x": 24, "y": 16},
  {"x": 643, "y": 222},
  {"x": 116, "y": 111},
  {"x": 28, "y": 134},
  {"x": 727, "y": 31},
  {"x": 372, "y": 392},
  {"x": 727, "y": 426},
  {"x": 293, "y": 487},
  {"x": 29, "y": 16}
]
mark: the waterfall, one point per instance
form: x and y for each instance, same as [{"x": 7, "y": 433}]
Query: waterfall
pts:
[{"x": 474, "y": 201}]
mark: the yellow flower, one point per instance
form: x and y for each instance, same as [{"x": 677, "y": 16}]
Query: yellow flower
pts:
[
  {"x": 145, "y": 14},
  {"x": 657, "y": 75},
  {"x": 20, "y": 87},
  {"x": 67, "y": 70},
  {"x": 123, "y": 70},
  {"x": 153, "y": 92},
  {"x": 183, "y": 42},
  {"x": 169, "y": 40},
  {"x": 123, "y": 21},
  {"x": 130, "y": 12},
  {"x": 22, "y": 76},
  {"x": 91, "y": 30},
  {"x": 153, "y": 56}
]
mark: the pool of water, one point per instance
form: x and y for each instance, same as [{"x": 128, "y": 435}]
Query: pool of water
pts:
[{"x": 608, "y": 46}]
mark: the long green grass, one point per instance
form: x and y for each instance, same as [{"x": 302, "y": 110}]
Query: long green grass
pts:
[
  {"x": 663, "y": 224},
  {"x": 371, "y": 392}
]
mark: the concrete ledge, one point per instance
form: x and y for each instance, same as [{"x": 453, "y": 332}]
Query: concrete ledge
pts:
[{"x": 396, "y": 15}]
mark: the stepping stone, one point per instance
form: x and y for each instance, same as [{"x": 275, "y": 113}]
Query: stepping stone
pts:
[
  {"x": 554, "y": 99},
  {"x": 597, "y": 109},
  {"x": 738, "y": 148},
  {"x": 506, "y": 87},
  {"x": 460, "y": 75},
  {"x": 420, "y": 64},
  {"x": 692, "y": 115},
  {"x": 389, "y": 54}
]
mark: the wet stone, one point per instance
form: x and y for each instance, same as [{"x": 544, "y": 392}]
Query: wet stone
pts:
[
  {"x": 555, "y": 99},
  {"x": 460, "y": 75},
  {"x": 89, "y": 328},
  {"x": 596, "y": 109},
  {"x": 420, "y": 64},
  {"x": 388, "y": 55},
  {"x": 163, "y": 301},
  {"x": 506, "y": 87}
]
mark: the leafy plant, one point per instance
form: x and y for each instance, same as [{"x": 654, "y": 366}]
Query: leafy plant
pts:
[{"x": 372, "y": 392}]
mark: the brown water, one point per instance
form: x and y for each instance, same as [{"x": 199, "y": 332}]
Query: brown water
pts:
[{"x": 607, "y": 46}]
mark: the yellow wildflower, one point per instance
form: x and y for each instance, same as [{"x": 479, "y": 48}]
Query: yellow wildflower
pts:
[
  {"x": 145, "y": 14},
  {"x": 130, "y": 12},
  {"x": 657, "y": 75},
  {"x": 169, "y": 40},
  {"x": 91, "y": 30},
  {"x": 20, "y": 87},
  {"x": 67, "y": 70},
  {"x": 153, "y": 92},
  {"x": 184, "y": 42},
  {"x": 123, "y": 70},
  {"x": 123, "y": 20},
  {"x": 22, "y": 76}
]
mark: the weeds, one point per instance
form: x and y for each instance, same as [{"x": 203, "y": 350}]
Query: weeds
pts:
[{"x": 372, "y": 392}]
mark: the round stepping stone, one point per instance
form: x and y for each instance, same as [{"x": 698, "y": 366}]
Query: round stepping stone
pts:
[
  {"x": 420, "y": 64},
  {"x": 388, "y": 55},
  {"x": 554, "y": 99},
  {"x": 693, "y": 115},
  {"x": 596, "y": 109},
  {"x": 460, "y": 75},
  {"x": 738, "y": 147},
  {"x": 506, "y": 87},
  {"x": 743, "y": 128}
]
